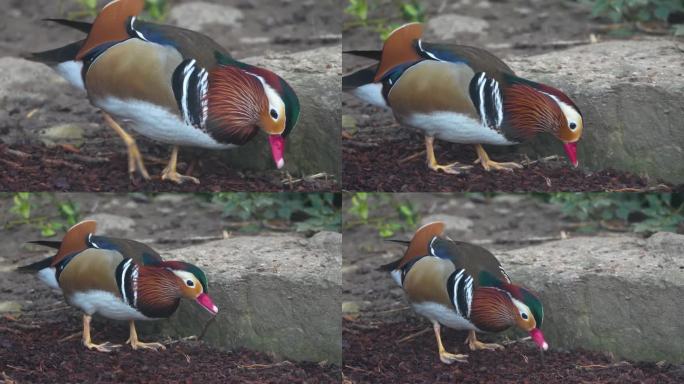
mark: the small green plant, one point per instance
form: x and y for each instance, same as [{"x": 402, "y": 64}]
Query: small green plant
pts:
[
  {"x": 361, "y": 206},
  {"x": 23, "y": 206},
  {"x": 648, "y": 212},
  {"x": 156, "y": 9},
  {"x": 632, "y": 11},
  {"x": 410, "y": 11},
  {"x": 307, "y": 211}
]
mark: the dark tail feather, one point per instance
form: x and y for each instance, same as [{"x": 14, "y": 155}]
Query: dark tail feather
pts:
[
  {"x": 405, "y": 242},
  {"x": 359, "y": 78},
  {"x": 395, "y": 264},
  {"x": 37, "y": 266},
  {"x": 56, "y": 56},
  {"x": 80, "y": 25},
  {"x": 47, "y": 243},
  {"x": 374, "y": 55}
]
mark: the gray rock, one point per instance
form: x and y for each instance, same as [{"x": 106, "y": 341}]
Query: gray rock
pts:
[
  {"x": 314, "y": 144},
  {"x": 278, "y": 294},
  {"x": 198, "y": 14},
  {"x": 10, "y": 307},
  {"x": 63, "y": 134},
  {"x": 451, "y": 26},
  {"x": 614, "y": 294},
  {"x": 112, "y": 224},
  {"x": 453, "y": 223},
  {"x": 630, "y": 93}
]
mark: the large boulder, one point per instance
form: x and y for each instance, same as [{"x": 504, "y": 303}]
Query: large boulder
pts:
[
  {"x": 630, "y": 93},
  {"x": 277, "y": 294},
  {"x": 616, "y": 294}
]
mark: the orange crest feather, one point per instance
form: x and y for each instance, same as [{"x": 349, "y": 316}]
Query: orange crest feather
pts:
[
  {"x": 421, "y": 241},
  {"x": 398, "y": 48},
  {"x": 110, "y": 24},
  {"x": 74, "y": 240}
]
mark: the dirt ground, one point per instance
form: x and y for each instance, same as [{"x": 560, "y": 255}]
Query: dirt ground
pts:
[
  {"x": 384, "y": 316},
  {"x": 41, "y": 343},
  {"x": 374, "y": 144},
  {"x": 26, "y": 164}
]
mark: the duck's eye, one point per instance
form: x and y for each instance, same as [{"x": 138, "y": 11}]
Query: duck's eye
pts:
[
  {"x": 274, "y": 114},
  {"x": 573, "y": 125},
  {"x": 524, "y": 316},
  {"x": 190, "y": 283}
]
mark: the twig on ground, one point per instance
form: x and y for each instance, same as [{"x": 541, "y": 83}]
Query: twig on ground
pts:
[
  {"x": 70, "y": 337},
  {"x": 321, "y": 175},
  {"x": 262, "y": 366},
  {"x": 601, "y": 366},
  {"x": 414, "y": 335},
  {"x": 409, "y": 158},
  {"x": 321, "y": 39}
]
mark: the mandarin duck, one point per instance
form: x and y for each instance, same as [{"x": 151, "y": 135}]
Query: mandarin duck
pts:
[
  {"x": 172, "y": 85},
  {"x": 462, "y": 94},
  {"x": 119, "y": 279},
  {"x": 464, "y": 287}
]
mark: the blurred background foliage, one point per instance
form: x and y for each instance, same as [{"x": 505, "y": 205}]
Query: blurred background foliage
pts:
[
  {"x": 410, "y": 11},
  {"x": 629, "y": 16},
  {"x": 300, "y": 212},
  {"x": 631, "y": 13},
  {"x": 635, "y": 212},
  {"x": 155, "y": 10}
]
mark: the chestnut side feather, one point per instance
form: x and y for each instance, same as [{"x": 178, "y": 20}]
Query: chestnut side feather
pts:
[
  {"x": 158, "y": 292},
  {"x": 235, "y": 101},
  {"x": 492, "y": 310},
  {"x": 530, "y": 112}
]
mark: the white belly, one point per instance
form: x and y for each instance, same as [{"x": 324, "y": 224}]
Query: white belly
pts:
[
  {"x": 455, "y": 128},
  {"x": 158, "y": 124},
  {"x": 443, "y": 315},
  {"x": 105, "y": 304}
]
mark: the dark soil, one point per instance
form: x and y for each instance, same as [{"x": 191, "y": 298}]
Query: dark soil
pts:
[
  {"x": 374, "y": 142},
  {"x": 386, "y": 360},
  {"x": 378, "y": 167},
  {"x": 38, "y": 353},
  {"x": 32, "y": 349},
  {"x": 267, "y": 26},
  {"x": 32, "y": 168}
]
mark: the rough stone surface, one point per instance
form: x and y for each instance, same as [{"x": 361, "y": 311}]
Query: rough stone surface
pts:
[
  {"x": 198, "y": 14},
  {"x": 454, "y": 223},
  {"x": 314, "y": 144},
  {"x": 112, "y": 224},
  {"x": 278, "y": 294},
  {"x": 451, "y": 26},
  {"x": 617, "y": 294},
  {"x": 630, "y": 93}
]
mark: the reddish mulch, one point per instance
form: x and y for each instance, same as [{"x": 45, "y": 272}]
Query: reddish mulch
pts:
[
  {"x": 37, "y": 356},
  {"x": 371, "y": 354},
  {"x": 375, "y": 167},
  {"x": 38, "y": 169}
]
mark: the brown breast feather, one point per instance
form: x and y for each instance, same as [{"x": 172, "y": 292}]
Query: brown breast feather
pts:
[
  {"x": 427, "y": 281},
  {"x": 135, "y": 69},
  {"x": 432, "y": 86},
  {"x": 92, "y": 269}
]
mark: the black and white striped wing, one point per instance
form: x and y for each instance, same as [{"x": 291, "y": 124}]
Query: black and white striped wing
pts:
[
  {"x": 460, "y": 289},
  {"x": 190, "y": 86},
  {"x": 487, "y": 97},
  {"x": 126, "y": 280}
]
